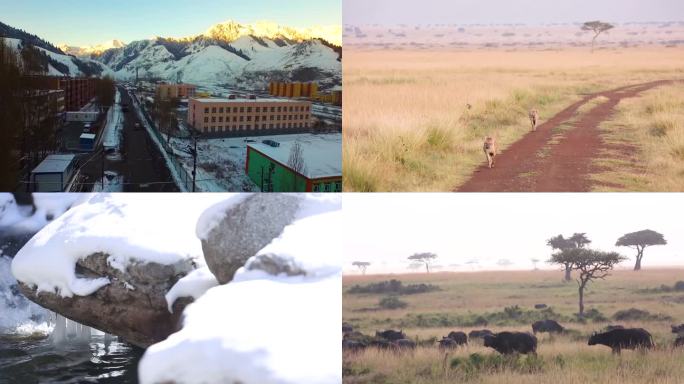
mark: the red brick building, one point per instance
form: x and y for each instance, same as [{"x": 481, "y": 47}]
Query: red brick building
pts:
[{"x": 78, "y": 91}]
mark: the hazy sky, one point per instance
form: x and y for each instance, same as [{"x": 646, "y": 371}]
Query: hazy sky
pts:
[
  {"x": 360, "y": 12},
  {"x": 386, "y": 228},
  {"x": 90, "y": 22}
]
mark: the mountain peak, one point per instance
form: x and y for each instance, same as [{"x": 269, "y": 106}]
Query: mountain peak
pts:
[
  {"x": 91, "y": 49},
  {"x": 231, "y": 30}
]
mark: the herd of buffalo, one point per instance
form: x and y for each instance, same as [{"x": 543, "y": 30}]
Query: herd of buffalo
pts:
[{"x": 616, "y": 337}]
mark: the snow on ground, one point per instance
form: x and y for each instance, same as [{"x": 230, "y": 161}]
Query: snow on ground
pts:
[
  {"x": 221, "y": 161},
  {"x": 114, "y": 125},
  {"x": 127, "y": 227},
  {"x": 261, "y": 328}
]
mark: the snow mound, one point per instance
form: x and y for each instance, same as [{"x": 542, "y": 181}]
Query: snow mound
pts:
[
  {"x": 127, "y": 227},
  {"x": 260, "y": 327},
  {"x": 257, "y": 331},
  {"x": 194, "y": 284},
  {"x": 22, "y": 219}
]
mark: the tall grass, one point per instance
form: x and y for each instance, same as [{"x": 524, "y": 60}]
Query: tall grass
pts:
[
  {"x": 650, "y": 128},
  {"x": 407, "y": 126}
]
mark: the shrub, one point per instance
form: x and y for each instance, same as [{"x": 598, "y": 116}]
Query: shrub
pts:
[
  {"x": 392, "y": 302},
  {"x": 393, "y": 287},
  {"x": 639, "y": 314},
  {"x": 477, "y": 363}
]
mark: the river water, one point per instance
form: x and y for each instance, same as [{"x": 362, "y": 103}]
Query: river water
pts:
[{"x": 28, "y": 354}]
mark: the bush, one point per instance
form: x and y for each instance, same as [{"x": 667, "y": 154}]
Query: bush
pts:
[
  {"x": 477, "y": 363},
  {"x": 392, "y": 287},
  {"x": 594, "y": 315},
  {"x": 639, "y": 314},
  {"x": 392, "y": 302}
]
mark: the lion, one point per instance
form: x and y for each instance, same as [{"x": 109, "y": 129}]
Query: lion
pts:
[
  {"x": 534, "y": 118},
  {"x": 489, "y": 148}
]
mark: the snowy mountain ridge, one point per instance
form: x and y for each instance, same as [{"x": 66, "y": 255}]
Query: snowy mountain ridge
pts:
[
  {"x": 231, "y": 30},
  {"x": 89, "y": 50}
]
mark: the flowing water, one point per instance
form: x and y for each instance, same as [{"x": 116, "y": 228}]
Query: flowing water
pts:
[{"x": 36, "y": 346}]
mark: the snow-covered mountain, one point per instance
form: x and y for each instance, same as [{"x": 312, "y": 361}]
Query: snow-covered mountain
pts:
[
  {"x": 233, "y": 54},
  {"x": 57, "y": 62},
  {"x": 87, "y": 51},
  {"x": 231, "y": 30},
  {"x": 64, "y": 65}
]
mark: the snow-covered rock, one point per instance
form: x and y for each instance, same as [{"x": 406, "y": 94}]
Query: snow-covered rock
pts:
[
  {"x": 109, "y": 262},
  {"x": 266, "y": 326}
]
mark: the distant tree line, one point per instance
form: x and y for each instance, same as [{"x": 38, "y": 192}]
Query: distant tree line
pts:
[{"x": 29, "y": 127}]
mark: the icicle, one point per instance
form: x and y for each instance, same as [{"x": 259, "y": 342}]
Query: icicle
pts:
[
  {"x": 59, "y": 333},
  {"x": 84, "y": 334}
]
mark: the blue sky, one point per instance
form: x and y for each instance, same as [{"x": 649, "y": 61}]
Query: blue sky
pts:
[
  {"x": 508, "y": 11},
  {"x": 88, "y": 22}
]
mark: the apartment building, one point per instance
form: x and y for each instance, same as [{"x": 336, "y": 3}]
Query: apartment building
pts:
[
  {"x": 78, "y": 91},
  {"x": 176, "y": 91},
  {"x": 235, "y": 116}
]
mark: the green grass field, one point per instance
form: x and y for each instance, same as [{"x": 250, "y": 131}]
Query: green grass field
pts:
[{"x": 465, "y": 300}]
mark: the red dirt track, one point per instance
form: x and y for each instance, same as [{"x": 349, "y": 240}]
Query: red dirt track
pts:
[{"x": 568, "y": 165}]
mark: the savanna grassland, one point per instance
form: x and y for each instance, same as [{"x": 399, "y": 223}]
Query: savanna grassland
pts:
[
  {"x": 408, "y": 127},
  {"x": 505, "y": 301},
  {"x": 651, "y": 129}
]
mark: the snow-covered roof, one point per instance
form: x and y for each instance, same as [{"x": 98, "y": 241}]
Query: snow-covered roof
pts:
[
  {"x": 322, "y": 153},
  {"x": 88, "y": 136},
  {"x": 244, "y": 99},
  {"x": 54, "y": 164}
]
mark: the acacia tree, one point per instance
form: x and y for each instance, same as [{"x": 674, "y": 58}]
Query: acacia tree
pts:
[
  {"x": 534, "y": 262},
  {"x": 424, "y": 258},
  {"x": 362, "y": 265},
  {"x": 577, "y": 240},
  {"x": 640, "y": 240},
  {"x": 590, "y": 264},
  {"x": 597, "y": 27}
]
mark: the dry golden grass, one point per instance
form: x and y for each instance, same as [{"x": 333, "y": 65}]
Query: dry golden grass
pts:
[
  {"x": 565, "y": 359},
  {"x": 406, "y": 125},
  {"x": 652, "y": 127}
]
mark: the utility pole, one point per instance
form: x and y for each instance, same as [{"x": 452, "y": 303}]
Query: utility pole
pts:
[{"x": 193, "y": 151}]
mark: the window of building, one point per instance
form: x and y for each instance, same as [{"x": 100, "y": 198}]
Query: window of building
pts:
[
  {"x": 272, "y": 117},
  {"x": 272, "y": 109},
  {"x": 270, "y": 126},
  {"x": 249, "y": 109},
  {"x": 279, "y": 109},
  {"x": 206, "y": 110},
  {"x": 249, "y": 126},
  {"x": 242, "y": 118},
  {"x": 327, "y": 187},
  {"x": 221, "y": 110},
  {"x": 213, "y": 119},
  {"x": 241, "y": 126},
  {"x": 206, "y": 119},
  {"x": 256, "y": 118},
  {"x": 234, "y": 119},
  {"x": 249, "y": 118},
  {"x": 258, "y": 109},
  {"x": 242, "y": 109},
  {"x": 220, "y": 119},
  {"x": 338, "y": 186},
  {"x": 213, "y": 109}
]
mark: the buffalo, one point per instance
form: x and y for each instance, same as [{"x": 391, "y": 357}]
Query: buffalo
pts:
[
  {"x": 512, "y": 342},
  {"x": 459, "y": 337},
  {"x": 550, "y": 326},
  {"x": 679, "y": 341},
  {"x": 447, "y": 343},
  {"x": 390, "y": 335},
  {"x": 353, "y": 345},
  {"x": 628, "y": 338},
  {"x": 347, "y": 328},
  {"x": 405, "y": 344},
  {"x": 611, "y": 327},
  {"x": 479, "y": 333},
  {"x": 540, "y": 306},
  {"x": 678, "y": 328}
]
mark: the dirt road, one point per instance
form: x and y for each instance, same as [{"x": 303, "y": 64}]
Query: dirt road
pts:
[{"x": 533, "y": 164}]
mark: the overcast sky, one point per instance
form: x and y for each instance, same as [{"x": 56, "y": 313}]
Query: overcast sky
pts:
[
  {"x": 360, "y": 12},
  {"x": 386, "y": 228}
]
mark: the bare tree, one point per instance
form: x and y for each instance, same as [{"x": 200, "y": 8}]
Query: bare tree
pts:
[
  {"x": 296, "y": 162},
  {"x": 362, "y": 265},
  {"x": 590, "y": 264},
  {"x": 640, "y": 240},
  {"x": 424, "y": 258},
  {"x": 597, "y": 27}
]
